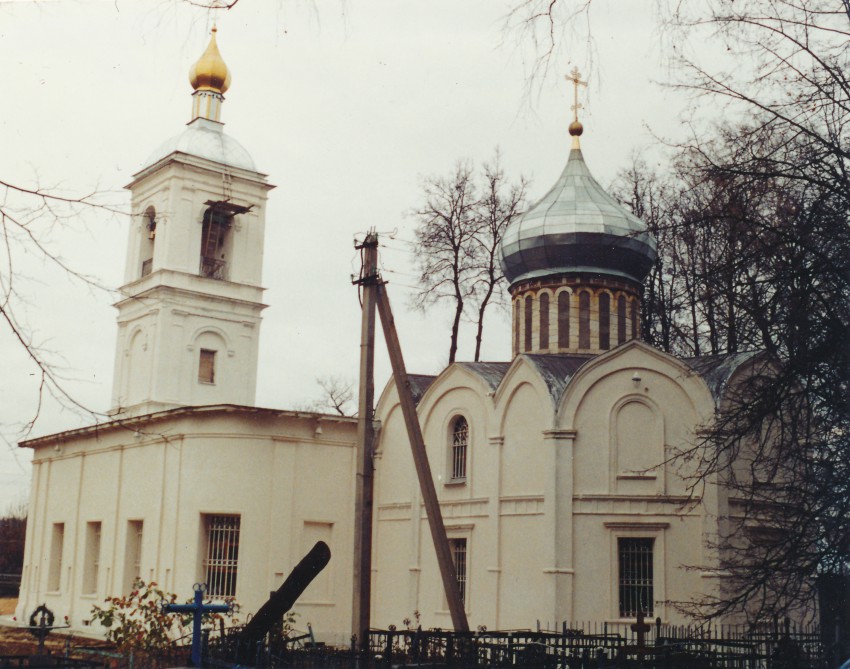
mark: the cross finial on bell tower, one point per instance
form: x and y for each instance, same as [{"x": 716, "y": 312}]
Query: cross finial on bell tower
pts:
[{"x": 576, "y": 128}]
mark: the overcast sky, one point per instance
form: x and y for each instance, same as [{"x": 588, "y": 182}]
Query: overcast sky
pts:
[{"x": 345, "y": 105}]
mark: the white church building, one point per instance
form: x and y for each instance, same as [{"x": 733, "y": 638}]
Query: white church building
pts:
[{"x": 552, "y": 469}]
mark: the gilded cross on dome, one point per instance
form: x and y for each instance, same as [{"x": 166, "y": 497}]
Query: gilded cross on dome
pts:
[{"x": 576, "y": 127}]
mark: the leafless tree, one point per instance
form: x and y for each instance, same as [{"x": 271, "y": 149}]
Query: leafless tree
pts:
[
  {"x": 445, "y": 244},
  {"x": 30, "y": 220},
  {"x": 498, "y": 204},
  {"x": 339, "y": 395},
  {"x": 458, "y": 235}
]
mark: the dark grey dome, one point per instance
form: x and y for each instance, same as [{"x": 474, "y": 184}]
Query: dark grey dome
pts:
[{"x": 577, "y": 227}]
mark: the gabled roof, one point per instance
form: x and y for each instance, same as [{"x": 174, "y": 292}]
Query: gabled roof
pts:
[
  {"x": 716, "y": 370},
  {"x": 491, "y": 373},
  {"x": 557, "y": 370},
  {"x": 419, "y": 384}
]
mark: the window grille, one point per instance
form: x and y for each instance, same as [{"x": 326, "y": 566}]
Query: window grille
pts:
[
  {"x": 222, "y": 555},
  {"x": 458, "y": 548},
  {"x": 460, "y": 440},
  {"x": 206, "y": 366},
  {"x": 635, "y": 578}
]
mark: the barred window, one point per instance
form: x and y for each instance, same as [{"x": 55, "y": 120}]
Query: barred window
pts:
[
  {"x": 460, "y": 441},
  {"x": 635, "y": 576},
  {"x": 222, "y": 555},
  {"x": 458, "y": 548}
]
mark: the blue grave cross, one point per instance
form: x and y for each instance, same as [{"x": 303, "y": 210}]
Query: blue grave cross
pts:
[{"x": 198, "y": 610}]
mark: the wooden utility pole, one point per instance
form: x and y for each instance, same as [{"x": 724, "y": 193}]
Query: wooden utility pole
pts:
[
  {"x": 360, "y": 621},
  {"x": 420, "y": 458}
]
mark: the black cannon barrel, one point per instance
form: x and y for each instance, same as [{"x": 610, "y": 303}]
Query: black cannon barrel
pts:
[{"x": 282, "y": 600}]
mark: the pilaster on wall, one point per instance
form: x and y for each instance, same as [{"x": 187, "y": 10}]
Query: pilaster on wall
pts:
[{"x": 558, "y": 510}]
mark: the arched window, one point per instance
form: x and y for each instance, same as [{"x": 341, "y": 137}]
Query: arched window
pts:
[
  {"x": 460, "y": 440},
  {"x": 544, "y": 320},
  {"x": 584, "y": 319},
  {"x": 621, "y": 319},
  {"x": 634, "y": 310},
  {"x": 528, "y": 311},
  {"x": 516, "y": 327},
  {"x": 563, "y": 319},
  {"x": 604, "y": 321}
]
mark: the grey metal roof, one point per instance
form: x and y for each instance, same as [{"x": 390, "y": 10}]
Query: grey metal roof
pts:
[
  {"x": 491, "y": 373},
  {"x": 577, "y": 227},
  {"x": 557, "y": 370},
  {"x": 419, "y": 384},
  {"x": 716, "y": 370},
  {"x": 205, "y": 139}
]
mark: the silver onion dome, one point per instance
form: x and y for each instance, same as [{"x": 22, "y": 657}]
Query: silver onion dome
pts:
[{"x": 577, "y": 228}]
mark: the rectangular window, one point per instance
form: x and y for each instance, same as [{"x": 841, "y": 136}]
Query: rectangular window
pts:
[
  {"x": 635, "y": 576},
  {"x": 57, "y": 541},
  {"x": 133, "y": 553},
  {"x": 206, "y": 366},
  {"x": 458, "y": 548},
  {"x": 92, "y": 558},
  {"x": 221, "y": 558}
]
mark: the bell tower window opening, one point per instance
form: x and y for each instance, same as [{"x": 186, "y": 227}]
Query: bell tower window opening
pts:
[
  {"x": 584, "y": 319},
  {"x": 529, "y": 308},
  {"x": 214, "y": 243},
  {"x": 460, "y": 441},
  {"x": 563, "y": 319},
  {"x": 604, "y": 321},
  {"x": 206, "y": 366},
  {"x": 148, "y": 239}
]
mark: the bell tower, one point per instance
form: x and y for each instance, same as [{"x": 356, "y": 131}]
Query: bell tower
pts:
[{"x": 189, "y": 316}]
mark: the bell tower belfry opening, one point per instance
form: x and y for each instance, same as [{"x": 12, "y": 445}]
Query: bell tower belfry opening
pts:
[{"x": 189, "y": 318}]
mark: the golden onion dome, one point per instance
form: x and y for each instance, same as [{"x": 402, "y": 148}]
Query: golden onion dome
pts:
[{"x": 210, "y": 73}]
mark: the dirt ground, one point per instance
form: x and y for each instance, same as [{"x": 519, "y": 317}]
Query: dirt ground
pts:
[{"x": 14, "y": 641}]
